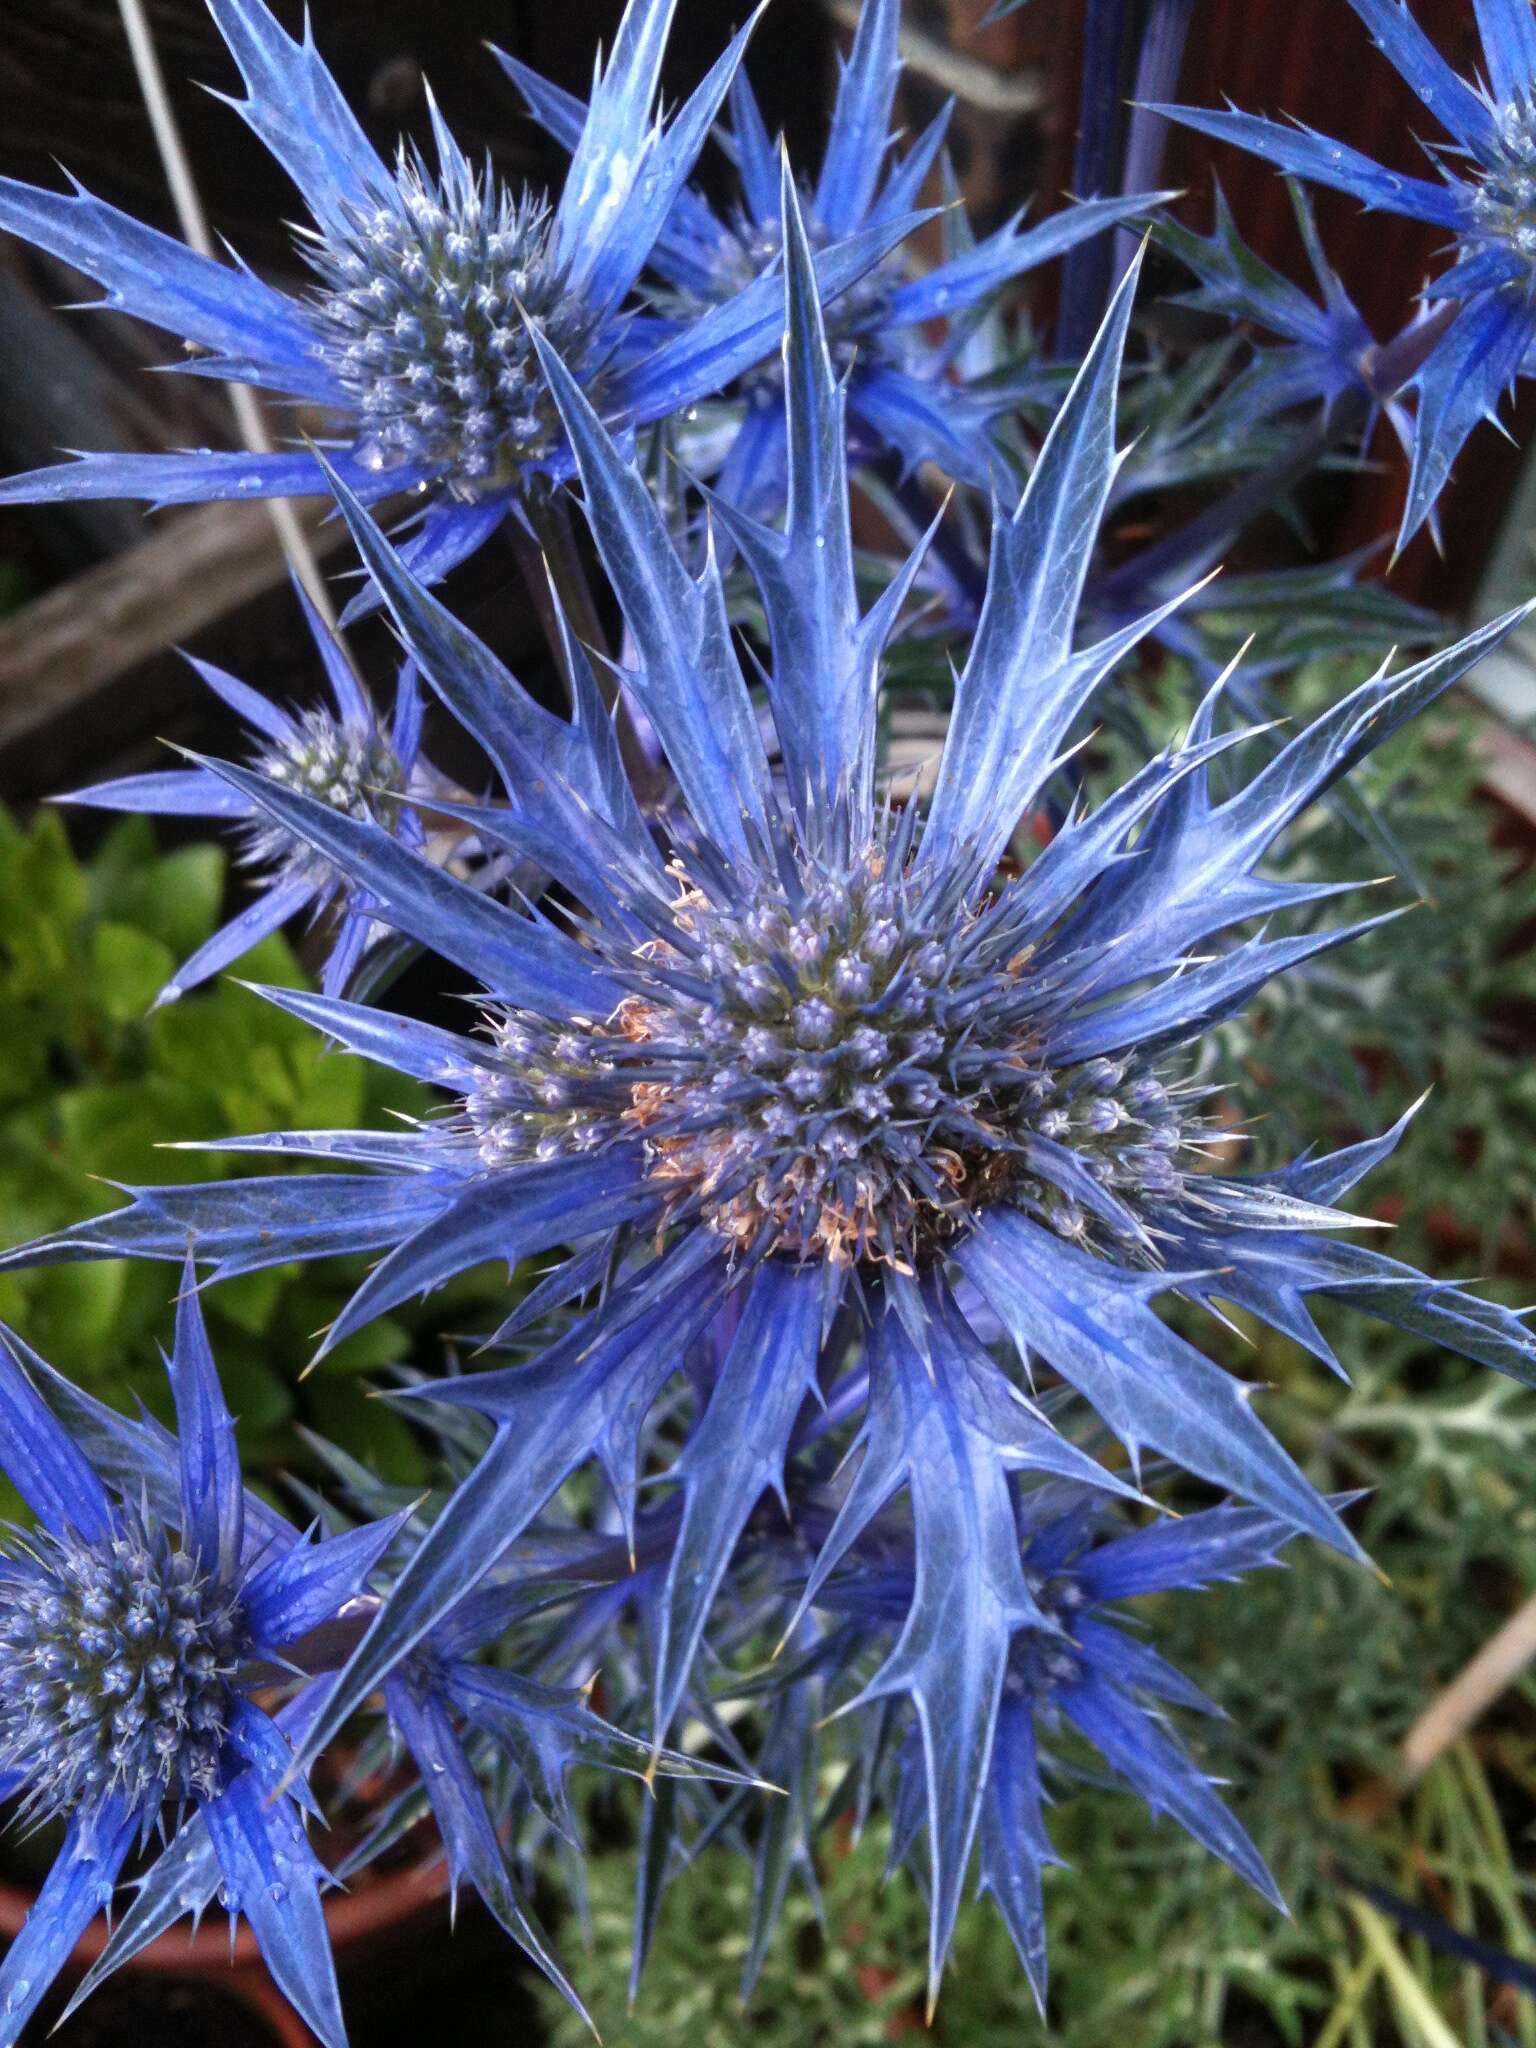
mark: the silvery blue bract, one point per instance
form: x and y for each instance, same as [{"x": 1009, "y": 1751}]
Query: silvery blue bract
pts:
[
  {"x": 1482, "y": 195},
  {"x": 152, "y": 1598}
]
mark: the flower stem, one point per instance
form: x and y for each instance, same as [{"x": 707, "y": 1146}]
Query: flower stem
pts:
[
  {"x": 551, "y": 562},
  {"x": 1184, "y": 553}
]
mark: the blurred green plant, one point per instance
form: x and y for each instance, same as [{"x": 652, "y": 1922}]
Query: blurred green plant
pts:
[{"x": 94, "y": 1084}]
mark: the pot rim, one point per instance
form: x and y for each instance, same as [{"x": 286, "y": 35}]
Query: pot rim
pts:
[{"x": 352, "y": 1917}]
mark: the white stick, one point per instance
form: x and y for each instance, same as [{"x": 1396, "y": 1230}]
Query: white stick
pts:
[{"x": 194, "y": 226}]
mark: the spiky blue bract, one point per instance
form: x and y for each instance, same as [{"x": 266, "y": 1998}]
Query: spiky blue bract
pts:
[
  {"x": 773, "y": 1084},
  {"x": 1325, "y": 344},
  {"x": 411, "y": 340},
  {"x": 1055, "y": 1664},
  {"x": 906, "y": 390},
  {"x": 347, "y": 759},
  {"x": 137, "y": 1618},
  {"x": 1483, "y": 193}
]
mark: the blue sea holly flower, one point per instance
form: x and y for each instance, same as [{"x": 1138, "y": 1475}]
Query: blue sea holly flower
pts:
[
  {"x": 1074, "y": 1671},
  {"x": 138, "y": 1618},
  {"x": 1324, "y": 346},
  {"x": 412, "y": 336},
  {"x": 490, "y": 1750},
  {"x": 345, "y": 758},
  {"x": 906, "y": 392},
  {"x": 816, "y": 1066},
  {"x": 1483, "y": 194}
]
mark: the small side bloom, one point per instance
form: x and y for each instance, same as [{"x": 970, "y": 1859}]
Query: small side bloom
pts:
[
  {"x": 137, "y": 1619},
  {"x": 1071, "y": 1668},
  {"x": 412, "y": 339},
  {"x": 908, "y": 391},
  {"x": 346, "y": 759},
  {"x": 1482, "y": 195}
]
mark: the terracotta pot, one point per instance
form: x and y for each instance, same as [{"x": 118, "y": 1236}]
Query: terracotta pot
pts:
[
  {"x": 191, "y": 2012},
  {"x": 357, "y": 1920}
]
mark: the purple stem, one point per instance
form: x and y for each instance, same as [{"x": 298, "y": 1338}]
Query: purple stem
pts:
[
  {"x": 1180, "y": 555},
  {"x": 1157, "y": 78},
  {"x": 1108, "y": 28}
]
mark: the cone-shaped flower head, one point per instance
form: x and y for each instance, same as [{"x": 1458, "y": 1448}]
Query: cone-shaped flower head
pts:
[
  {"x": 1483, "y": 194},
  {"x": 411, "y": 338},
  {"x": 823, "y": 1052},
  {"x": 345, "y": 758},
  {"x": 898, "y": 332},
  {"x": 150, "y": 1600}
]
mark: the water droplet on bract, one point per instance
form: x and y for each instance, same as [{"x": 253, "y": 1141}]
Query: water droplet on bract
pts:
[
  {"x": 278, "y": 1893},
  {"x": 249, "y": 483},
  {"x": 821, "y": 540}
]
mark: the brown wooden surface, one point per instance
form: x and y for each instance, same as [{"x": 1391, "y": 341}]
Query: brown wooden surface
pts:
[{"x": 1313, "y": 60}]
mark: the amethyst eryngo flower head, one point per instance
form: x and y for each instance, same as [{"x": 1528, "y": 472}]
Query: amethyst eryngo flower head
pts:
[
  {"x": 1075, "y": 1669},
  {"x": 138, "y": 1617},
  {"x": 1321, "y": 346},
  {"x": 905, "y": 388},
  {"x": 1483, "y": 194},
  {"x": 412, "y": 339},
  {"x": 345, "y": 758},
  {"x": 824, "y": 1101}
]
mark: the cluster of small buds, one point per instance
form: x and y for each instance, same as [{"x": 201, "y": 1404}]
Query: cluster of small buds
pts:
[
  {"x": 348, "y": 766},
  {"x": 1504, "y": 204},
  {"x": 805, "y": 1070},
  {"x": 826, "y": 1105},
  {"x": 116, "y": 1666},
  {"x": 855, "y": 325},
  {"x": 1127, "y": 1126},
  {"x": 1041, "y": 1658},
  {"x": 553, "y": 1093},
  {"x": 421, "y": 315},
  {"x": 845, "y": 1072}
]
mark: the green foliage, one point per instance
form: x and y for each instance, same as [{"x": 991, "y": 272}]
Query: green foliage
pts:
[{"x": 94, "y": 1084}]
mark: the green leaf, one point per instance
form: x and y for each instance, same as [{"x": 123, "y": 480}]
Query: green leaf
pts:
[{"x": 128, "y": 968}]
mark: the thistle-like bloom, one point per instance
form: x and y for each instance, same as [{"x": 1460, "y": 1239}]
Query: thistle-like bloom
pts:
[
  {"x": 490, "y": 1747},
  {"x": 412, "y": 337},
  {"x": 137, "y": 1618},
  {"x": 1071, "y": 1668},
  {"x": 1483, "y": 194},
  {"x": 906, "y": 389},
  {"x": 1324, "y": 344},
  {"x": 819, "y": 1069},
  {"x": 345, "y": 759}
]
